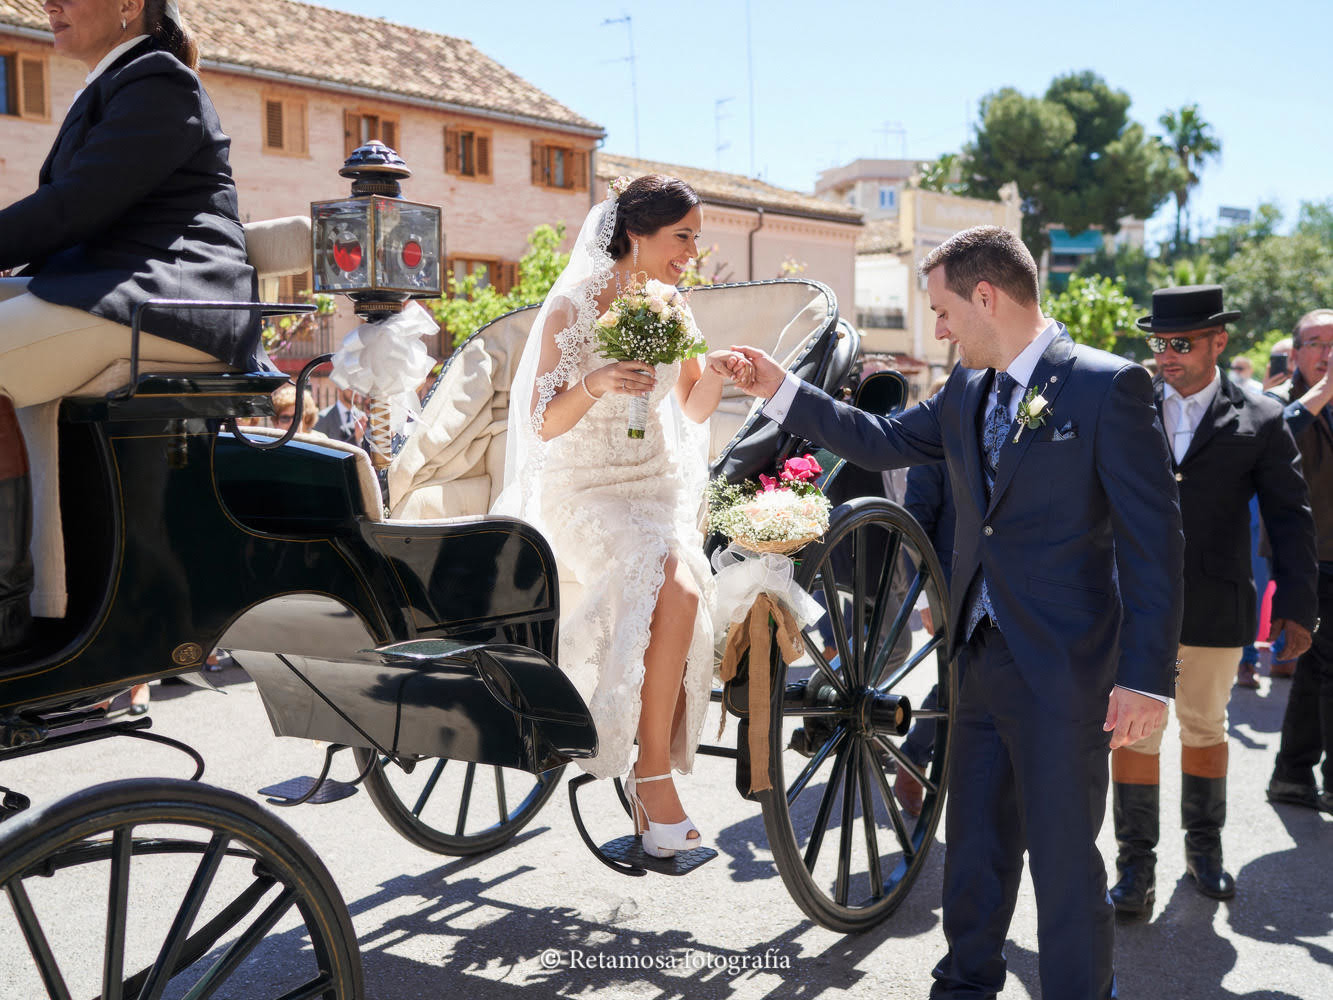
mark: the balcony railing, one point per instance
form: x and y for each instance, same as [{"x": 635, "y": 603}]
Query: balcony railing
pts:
[{"x": 880, "y": 318}]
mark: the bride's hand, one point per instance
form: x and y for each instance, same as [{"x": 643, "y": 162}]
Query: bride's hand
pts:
[
  {"x": 629, "y": 378},
  {"x": 732, "y": 365}
]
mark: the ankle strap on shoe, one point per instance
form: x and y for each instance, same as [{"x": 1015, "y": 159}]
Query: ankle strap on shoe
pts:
[{"x": 655, "y": 777}]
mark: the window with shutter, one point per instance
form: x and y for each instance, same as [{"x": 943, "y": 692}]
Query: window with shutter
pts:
[
  {"x": 359, "y": 129},
  {"x": 274, "y": 136},
  {"x": 560, "y": 167},
  {"x": 484, "y": 155},
  {"x": 389, "y": 134},
  {"x": 508, "y": 277},
  {"x": 34, "y": 101},
  {"x": 467, "y": 153},
  {"x": 285, "y": 125},
  {"x": 539, "y": 163},
  {"x": 8, "y": 85}
]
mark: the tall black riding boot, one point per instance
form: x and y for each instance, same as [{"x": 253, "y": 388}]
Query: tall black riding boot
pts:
[
  {"x": 1135, "y": 800},
  {"x": 15, "y": 531},
  {"x": 1203, "y": 811}
]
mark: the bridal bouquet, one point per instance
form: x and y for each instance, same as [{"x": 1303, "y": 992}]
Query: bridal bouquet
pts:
[
  {"x": 648, "y": 323},
  {"x": 773, "y": 515}
]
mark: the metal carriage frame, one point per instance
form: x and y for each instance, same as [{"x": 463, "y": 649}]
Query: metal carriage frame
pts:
[{"x": 461, "y": 618}]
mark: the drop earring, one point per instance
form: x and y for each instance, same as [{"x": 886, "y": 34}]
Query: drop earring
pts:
[
  {"x": 634, "y": 265},
  {"x": 123, "y": 24}
]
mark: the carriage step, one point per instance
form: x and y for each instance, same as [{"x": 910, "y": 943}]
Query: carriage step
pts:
[
  {"x": 629, "y": 850},
  {"x": 12, "y": 803},
  {"x": 295, "y": 790}
]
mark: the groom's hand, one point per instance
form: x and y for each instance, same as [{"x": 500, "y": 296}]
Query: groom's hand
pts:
[
  {"x": 1131, "y": 716},
  {"x": 768, "y": 374}
]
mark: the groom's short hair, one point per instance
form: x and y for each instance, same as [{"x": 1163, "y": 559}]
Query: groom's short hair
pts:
[{"x": 985, "y": 253}]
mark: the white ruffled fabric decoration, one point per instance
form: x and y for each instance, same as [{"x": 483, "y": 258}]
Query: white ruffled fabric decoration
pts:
[
  {"x": 743, "y": 575},
  {"x": 386, "y": 361}
]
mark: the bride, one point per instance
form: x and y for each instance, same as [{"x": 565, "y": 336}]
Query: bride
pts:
[{"x": 622, "y": 513}]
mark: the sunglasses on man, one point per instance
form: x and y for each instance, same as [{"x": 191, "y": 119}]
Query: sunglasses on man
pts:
[{"x": 1181, "y": 345}]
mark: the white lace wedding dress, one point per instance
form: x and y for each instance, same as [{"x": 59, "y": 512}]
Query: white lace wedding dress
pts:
[{"x": 615, "y": 508}]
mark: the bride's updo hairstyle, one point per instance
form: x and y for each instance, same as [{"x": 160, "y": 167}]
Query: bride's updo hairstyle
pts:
[
  {"x": 649, "y": 203},
  {"x": 175, "y": 38}
]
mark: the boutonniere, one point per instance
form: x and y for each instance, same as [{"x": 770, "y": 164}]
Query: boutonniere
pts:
[{"x": 1032, "y": 411}]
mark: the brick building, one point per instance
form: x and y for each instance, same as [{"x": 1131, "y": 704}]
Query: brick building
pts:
[{"x": 299, "y": 86}]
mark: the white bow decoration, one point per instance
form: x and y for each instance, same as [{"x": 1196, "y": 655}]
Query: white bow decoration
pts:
[
  {"x": 173, "y": 13},
  {"x": 743, "y": 575},
  {"x": 387, "y": 361}
]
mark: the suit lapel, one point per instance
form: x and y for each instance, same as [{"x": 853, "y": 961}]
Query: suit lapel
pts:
[
  {"x": 1050, "y": 377},
  {"x": 974, "y": 398},
  {"x": 1159, "y": 401},
  {"x": 1221, "y": 413}
]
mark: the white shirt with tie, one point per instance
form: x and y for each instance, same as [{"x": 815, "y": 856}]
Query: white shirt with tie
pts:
[{"x": 1183, "y": 414}]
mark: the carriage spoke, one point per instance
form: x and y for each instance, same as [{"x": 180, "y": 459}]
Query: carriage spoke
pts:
[
  {"x": 885, "y": 649},
  {"x": 430, "y": 787},
  {"x": 816, "y": 654},
  {"x": 165, "y": 965},
  {"x": 500, "y": 794},
  {"x": 846, "y": 833},
  {"x": 860, "y": 557},
  {"x": 240, "y": 949},
  {"x": 906, "y": 762},
  {"x": 895, "y": 815},
  {"x": 816, "y": 761},
  {"x": 117, "y": 915},
  {"x": 872, "y": 836},
  {"x": 883, "y": 586},
  {"x": 311, "y": 990},
  {"x": 38, "y": 946},
  {"x": 914, "y": 661},
  {"x": 825, "y": 808},
  {"x": 833, "y": 607},
  {"x": 466, "y": 800},
  {"x": 929, "y": 713}
]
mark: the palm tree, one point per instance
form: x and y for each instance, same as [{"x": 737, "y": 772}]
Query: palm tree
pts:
[{"x": 1193, "y": 141}]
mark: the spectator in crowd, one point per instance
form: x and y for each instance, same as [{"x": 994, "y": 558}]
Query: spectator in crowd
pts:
[
  {"x": 1307, "y": 727},
  {"x": 1247, "y": 672},
  {"x": 344, "y": 420},
  {"x": 284, "y": 408},
  {"x": 1226, "y": 443},
  {"x": 1242, "y": 373},
  {"x": 1279, "y": 358}
]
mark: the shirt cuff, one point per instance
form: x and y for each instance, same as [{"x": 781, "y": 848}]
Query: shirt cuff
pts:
[
  {"x": 780, "y": 402},
  {"x": 1160, "y": 697}
]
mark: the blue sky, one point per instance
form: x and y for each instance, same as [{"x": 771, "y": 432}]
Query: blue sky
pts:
[{"x": 829, "y": 74}]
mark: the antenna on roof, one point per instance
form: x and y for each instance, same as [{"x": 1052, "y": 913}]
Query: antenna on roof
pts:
[
  {"x": 749, "y": 69},
  {"x": 893, "y": 128},
  {"x": 628, "y": 22},
  {"x": 718, "y": 117}
]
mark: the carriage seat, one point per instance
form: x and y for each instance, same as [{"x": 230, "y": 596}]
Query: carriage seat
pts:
[{"x": 453, "y": 461}]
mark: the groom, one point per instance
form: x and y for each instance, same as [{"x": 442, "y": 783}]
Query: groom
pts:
[{"x": 1066, "y": 598}]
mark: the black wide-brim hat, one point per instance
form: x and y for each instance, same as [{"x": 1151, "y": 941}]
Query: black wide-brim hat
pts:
[{"x": 1189, "y": 307}]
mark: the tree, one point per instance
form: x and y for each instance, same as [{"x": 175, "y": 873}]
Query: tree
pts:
[
  {"x": 1078, "y": 159},
  {"x": 471, "y": 307},
  {"x": 1273, "y": 282},
  {"x": 940, "y": 175},
  {"x": 1193, "y": 143},
  {"x": 1094, "y": 310}
]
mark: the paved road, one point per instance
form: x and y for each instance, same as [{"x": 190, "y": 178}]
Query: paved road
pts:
[{"x": 433, "y": 927}]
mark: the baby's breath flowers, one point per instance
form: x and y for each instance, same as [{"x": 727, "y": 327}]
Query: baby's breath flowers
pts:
[{"x": 772, "y": 515}]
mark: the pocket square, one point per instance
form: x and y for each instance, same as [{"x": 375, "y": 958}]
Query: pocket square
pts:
[{"x": 1066, "y": 433}]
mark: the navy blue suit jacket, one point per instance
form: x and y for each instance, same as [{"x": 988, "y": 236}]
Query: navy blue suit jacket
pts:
[
  {"x": 929, "y": 499},
  {"x": 1081, "y": 540},
  {"x": 136, "y": 201}
]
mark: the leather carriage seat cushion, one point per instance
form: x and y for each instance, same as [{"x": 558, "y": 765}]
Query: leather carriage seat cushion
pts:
[
  {"x": 368, "y": 485},
  {"x": 452, "y": 463}
]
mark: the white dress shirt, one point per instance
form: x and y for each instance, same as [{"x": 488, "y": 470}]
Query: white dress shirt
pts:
[
  {"x": 107, "y": 60},
  {"x": 1183, "y": 414}
]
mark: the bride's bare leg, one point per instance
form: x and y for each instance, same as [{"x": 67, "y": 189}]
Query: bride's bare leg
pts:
[{"x": 662, "y": 698}]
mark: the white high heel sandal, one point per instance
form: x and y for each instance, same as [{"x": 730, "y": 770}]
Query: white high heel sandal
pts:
[{"x": 660, "y": 840}]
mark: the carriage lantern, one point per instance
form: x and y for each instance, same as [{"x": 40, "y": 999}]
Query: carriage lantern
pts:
[{"x": 374, "y": 247}]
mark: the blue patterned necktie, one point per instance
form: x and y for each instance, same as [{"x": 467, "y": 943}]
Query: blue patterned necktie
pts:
[{"x": 993, "y": 433}]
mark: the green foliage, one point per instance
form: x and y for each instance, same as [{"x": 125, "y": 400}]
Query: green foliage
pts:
[
  {"x": 1131, "y": 265},
  {"x": 941, "y": 175},
  {"x": 472, "y": 307},
  {"x": 1193, "y": 144},
  {"x": 1316, "y": 219},
  {"x": 1078, "y": 159},
  {"x": 1095, "y": 310},
  {"x": 1275, "y": 281},
  {"x": 649, "y": 325},
  {"x": 279, "y": 331},
  {"x": 1259, "y": 350}
]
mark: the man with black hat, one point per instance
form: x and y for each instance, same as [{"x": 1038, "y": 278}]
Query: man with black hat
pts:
[{"x": 1226, "y": 443}]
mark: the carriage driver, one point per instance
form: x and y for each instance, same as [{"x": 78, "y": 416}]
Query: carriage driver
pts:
[{"x": 135, "y": 201}]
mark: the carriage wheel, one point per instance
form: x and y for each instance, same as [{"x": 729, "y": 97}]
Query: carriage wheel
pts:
[
  {"x": 845, "y": 848},
  {"x": 454, "y": 807},
  {"x": 171, "y": 887}
]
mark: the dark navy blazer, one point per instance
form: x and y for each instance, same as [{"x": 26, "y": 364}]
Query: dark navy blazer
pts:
[
  {"x": 136, "y": 201},
  {"x": 1081, "y": 539}
]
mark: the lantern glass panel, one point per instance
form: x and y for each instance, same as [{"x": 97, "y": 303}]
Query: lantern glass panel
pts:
[
  {"x": 408, "y": 246},
  {"x": 342, "y": 245}
]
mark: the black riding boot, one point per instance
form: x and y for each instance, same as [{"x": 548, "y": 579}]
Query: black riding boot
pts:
[
  {"x": 15, "y": 531},
  {"x": 1135, "y": 801},
  {"x": 1203, "y": 811}
]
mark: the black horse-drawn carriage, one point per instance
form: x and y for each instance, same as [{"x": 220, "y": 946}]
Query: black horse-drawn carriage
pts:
[{"x": 423, "y": 637}]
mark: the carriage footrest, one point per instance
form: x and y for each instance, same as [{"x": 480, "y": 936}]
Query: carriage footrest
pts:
[
  {"x": 12, "y": 803},
  {"x": 296, "y": 789},
  {"x": 629, "y": 850}
]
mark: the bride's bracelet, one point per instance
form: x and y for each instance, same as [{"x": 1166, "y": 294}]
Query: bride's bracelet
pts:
[{"x": 583, "y": 383}]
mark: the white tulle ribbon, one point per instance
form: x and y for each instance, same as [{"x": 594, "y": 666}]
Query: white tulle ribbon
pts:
[
  {"x": 386, "y": 361},
  {"x": 742, "y": 575},
  {"x": 172, "y": 13}
]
